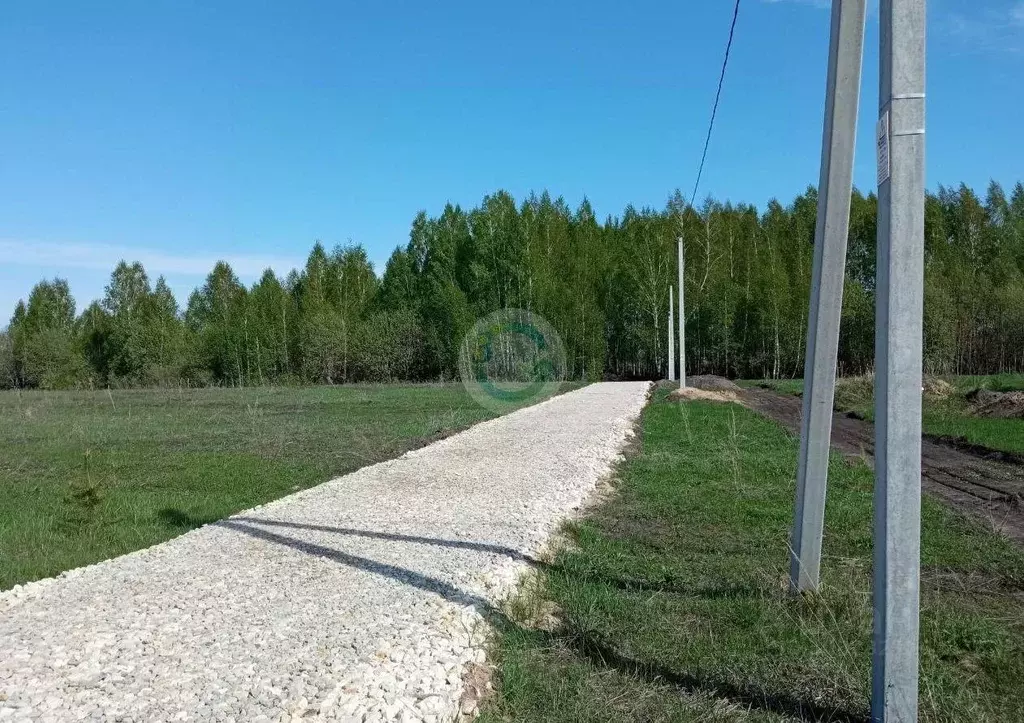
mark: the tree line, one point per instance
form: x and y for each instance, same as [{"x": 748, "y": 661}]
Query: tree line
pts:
[{"x": 602, "y": 285}]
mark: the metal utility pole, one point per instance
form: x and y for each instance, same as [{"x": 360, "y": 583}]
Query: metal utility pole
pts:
[
  {"x": 835, "y": 183},
  {"x": 682, "y": 318},
  {"x": 898, "y": 357},
  {"x": 671, "y": 337}
]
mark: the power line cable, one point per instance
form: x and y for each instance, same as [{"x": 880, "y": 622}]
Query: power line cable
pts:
[{"x": 718, "y": 95}]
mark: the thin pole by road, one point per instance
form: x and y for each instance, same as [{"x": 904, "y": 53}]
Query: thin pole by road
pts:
[
  {"x": 671, "y": 334},
  {"x": 845, "y": 57},
  {"x": 682, "y": 318},
  {"x": 898, "y": 359}
]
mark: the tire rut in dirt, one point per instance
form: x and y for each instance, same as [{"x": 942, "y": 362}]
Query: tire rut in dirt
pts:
[{"x": 987, "y": 489}]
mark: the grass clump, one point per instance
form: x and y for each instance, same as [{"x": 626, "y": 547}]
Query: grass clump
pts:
[{"x": 674, "y": 601}]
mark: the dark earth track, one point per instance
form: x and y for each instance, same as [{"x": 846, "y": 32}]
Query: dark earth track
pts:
[{"x": 968, "y": 480}]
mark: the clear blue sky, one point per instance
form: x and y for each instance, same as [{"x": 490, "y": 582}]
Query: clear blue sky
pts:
[{"x": 178, "y": 133}]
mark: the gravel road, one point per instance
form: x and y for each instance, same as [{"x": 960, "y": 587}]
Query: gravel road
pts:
[{"x": 357, "y": 600}]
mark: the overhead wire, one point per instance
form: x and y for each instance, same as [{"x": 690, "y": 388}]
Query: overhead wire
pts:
[{"x": 718, "y": 96}]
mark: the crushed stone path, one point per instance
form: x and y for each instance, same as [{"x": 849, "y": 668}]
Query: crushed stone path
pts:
[{"x": 362, "y": 599}]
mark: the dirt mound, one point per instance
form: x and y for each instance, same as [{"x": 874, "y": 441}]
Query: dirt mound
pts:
[
  {"x": 982, "y": 396},
  {"x": 999, "y": 405},
  {"x": 938, "y": 388},
  {"x": 711, "y": 383},
  {"x": 703, "y": 395},
  {"x": 854, "y": 392}
]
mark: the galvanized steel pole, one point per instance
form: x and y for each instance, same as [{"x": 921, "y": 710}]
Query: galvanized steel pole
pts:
[
  {"x": 898, "y": 360},
  {"x": 671, "y": 336},
  {"x": 682, "y": 318}
]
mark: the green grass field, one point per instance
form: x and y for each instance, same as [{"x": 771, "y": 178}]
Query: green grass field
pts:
[
  {"x": 674, "y": 606},
  {"x": 949, "y": 417},
  {"x": 90, "y": 475}
]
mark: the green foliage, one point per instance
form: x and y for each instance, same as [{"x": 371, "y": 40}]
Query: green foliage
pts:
[
  {"x": 398, "y": 284},
  {"x": 388, "y": 347},
  {"x": 44, "y": 347},
  {"x": 8, "y": 371},
  {"x": 603, "y": 287},
  {"x": 271, "y": 311},
  {"x": 135, "y": 337},
  {"x": 51, "y": 361},
  {"x": 218, "y": 323}
]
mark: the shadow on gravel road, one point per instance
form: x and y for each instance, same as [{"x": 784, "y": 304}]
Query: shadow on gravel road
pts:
[
  {"x": 395, "y": 537},
  {"x": 635, "y": 584},
  {"x": 586, "y": 643},
  {"x": 408, "y": 577}
]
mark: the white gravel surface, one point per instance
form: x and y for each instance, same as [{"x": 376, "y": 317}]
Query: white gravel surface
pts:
[{"x": 357, "y": 600}]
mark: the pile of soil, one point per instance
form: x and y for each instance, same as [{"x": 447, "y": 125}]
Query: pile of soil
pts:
[
  {"x": 703, "y": 395},
  {"x": 711, "y": 383},
  {"x": 980, "y": 396},
  {"x": 935, "y": 387},
  {"x": 997, "y": 405}
]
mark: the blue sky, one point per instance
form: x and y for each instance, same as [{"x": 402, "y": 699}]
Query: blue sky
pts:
[{"x": 178, "y": 133}]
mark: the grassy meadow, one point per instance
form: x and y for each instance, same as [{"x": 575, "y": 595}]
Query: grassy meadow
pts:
[
  {"x": 89, "y": 475},
  {"x": 945, "y": 417},
  {"x": 670, "y": 601}
]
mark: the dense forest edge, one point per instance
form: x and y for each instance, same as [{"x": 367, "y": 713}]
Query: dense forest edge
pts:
[{"x": 603, "y": 286}]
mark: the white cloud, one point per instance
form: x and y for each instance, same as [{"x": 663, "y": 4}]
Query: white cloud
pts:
[
  {"x": 872, "y": 5},
  {"x": 986, "y": 31},
  {"x": 812, "y": 3},
  {"x": 1017, "y": 14},
  {"x": 59, "y": 257},
  {"x": 968, "y": 28}
]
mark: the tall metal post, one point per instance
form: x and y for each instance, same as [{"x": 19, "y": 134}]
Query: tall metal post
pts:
[
  {"x": 671, "y": 335},
  {"x": 835, "y": 183},
  {"x": 898, "y": 358},
  {"x": 682, "y": 318}
]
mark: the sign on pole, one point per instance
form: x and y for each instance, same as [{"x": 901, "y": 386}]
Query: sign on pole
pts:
[{"x": 882, "y": 149}]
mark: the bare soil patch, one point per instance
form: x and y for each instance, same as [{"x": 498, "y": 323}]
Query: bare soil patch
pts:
[
  {"x": 997, "y": 405},
  {"x": 988, "y": 489},
  {"x": 976, "y": 450}
]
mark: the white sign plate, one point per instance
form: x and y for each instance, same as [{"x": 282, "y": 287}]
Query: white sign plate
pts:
[{"x": 882, "y": 148}]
